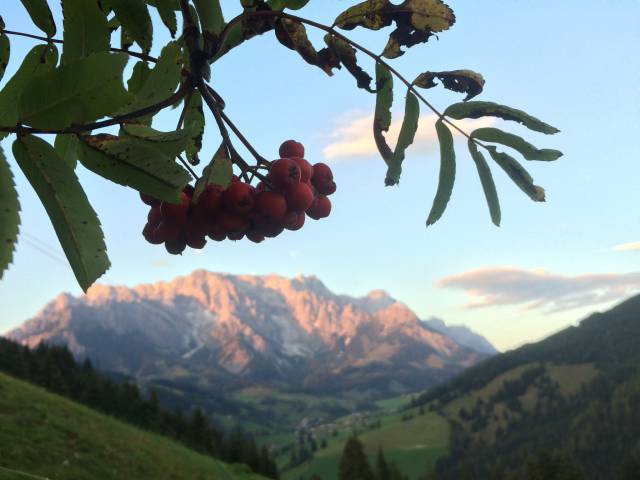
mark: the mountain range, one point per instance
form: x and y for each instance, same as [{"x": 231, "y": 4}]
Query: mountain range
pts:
[{"x": 224, "y": 333}]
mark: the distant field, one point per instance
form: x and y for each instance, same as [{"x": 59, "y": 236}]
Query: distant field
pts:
[{"x": 46, "y": 435}]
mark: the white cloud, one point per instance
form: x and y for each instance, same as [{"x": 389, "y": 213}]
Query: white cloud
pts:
[
  {"x": 627, "y": 247},
  {"x": 541, "y": 290},
  {"x": 352, "y": 138}
]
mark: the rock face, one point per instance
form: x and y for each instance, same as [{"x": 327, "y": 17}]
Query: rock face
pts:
[
  {"x": 232, "y": 331},
  {"x": 463, "y": 335}
]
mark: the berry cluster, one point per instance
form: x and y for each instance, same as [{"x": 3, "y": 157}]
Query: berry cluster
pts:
[{"x": 292, "y": 190}]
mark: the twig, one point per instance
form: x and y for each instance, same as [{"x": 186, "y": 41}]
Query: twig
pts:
[{"x": 142, "y": 56}]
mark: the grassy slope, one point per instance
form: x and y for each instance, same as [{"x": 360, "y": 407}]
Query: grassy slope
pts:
[{"x": 46, "y": 435}]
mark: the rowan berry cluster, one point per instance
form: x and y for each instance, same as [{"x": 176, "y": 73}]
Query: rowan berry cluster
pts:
[{"x": 292, "y": 190}]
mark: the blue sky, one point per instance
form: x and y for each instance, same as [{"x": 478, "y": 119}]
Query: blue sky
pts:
[{"x": 573, "y": 64}]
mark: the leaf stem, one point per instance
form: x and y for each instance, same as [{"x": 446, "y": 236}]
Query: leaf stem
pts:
[{"x": 140, "y": 55}]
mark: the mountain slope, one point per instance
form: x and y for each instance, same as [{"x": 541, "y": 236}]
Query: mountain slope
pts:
[
  {"x": 231, "y": 332},
  {"x": 576, "y": 392},
  {"x": 463, "y": 335},
  {"x": 46, "y": 435}
]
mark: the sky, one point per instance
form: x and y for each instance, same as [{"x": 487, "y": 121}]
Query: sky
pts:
[{"x": 572, "y": 64}]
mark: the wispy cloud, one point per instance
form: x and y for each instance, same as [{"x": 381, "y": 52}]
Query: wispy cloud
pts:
[
  {"x": 352, "y": 138},
  {"x": 540, "y": 289},
  {"x": 627, "y": 247}
]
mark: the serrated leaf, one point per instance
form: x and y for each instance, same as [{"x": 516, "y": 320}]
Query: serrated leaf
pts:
[
  {"x": 447, "y": 173},
  {"x": 170, "y": 144},
  {"x": 347, "y": 56},
  {"x": 477, "y": 109},
  {"x": 382, "y": 116},
  {"x": 194, "y": 122},
  {"x": 528, "y": 151},
  {"x": 416, "y": 21},
  {"x": 210, "y": 14},
  {"x": 40, "y": 14},
  {"x": 134, "y": 17},
  {"x": 462, "y": 81},
  {"x": 79, "y": 92},
  {"x": 74, "y": 220},
  {"x": 293, "y": 35},
  {"x": 86, "y": 30},
  {"x": 163, "y": 80},
  {"x": 405, "y": 138},
  {"x": 139, "y": 77},
  {"x": 41, "y": 59},
  {"x": 166, "y": 10},
  {"x": 488, "y": 185},
  {"x": 126, "y": 39},
  {"x": 66, "y": 146},
  {"x": 218, "y": 172},
  {"x": 290, "y": 4},
  {"x": 134, "y": 163},
  {"x": 9, "y": 214},
  {"x": 5, "y": 52},
  {"x": 518, "y": 174}
]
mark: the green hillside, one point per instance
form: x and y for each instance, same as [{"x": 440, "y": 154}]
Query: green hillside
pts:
[{"x": 48, "y": 436}]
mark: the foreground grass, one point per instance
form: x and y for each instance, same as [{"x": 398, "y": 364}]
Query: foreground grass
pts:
[{"x": 48, "y": 436}]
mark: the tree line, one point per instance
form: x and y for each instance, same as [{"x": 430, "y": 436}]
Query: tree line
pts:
[{"x": 55, "y": 369}]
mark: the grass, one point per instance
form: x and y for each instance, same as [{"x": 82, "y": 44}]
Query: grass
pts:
[{"x": 48, "y": 436}]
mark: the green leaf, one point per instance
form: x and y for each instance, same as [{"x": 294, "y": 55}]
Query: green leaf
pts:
[
  {"x": 9, "y": 214},
  {"x": 405, "y": 138},
  {"x": 416, "y": 21},
  {"x": 475, "y": 109},
  {"x": 347, "y": 56},
  {"x": 66, "y": 146},
  {"x": 382, "y": 116},
  {"x": 290, "y": 4},
  {"x": 163, "y": 80},
  {"x": 134, "y": 17},
  {"x": 126, "y": 39},
  {"x": 139, "y": 77},
  {"x": 518, "y": 174},
  {"x": 486, "y": 179},
  {"x": 135, "y": 163},
  {"x": 86, "y": 29},
  {"x": 447, "y": 173},
  {"x": 462, "y": 81},
  {"x": 79, "y": 92},
  {"x": 41, "y": 59},
  {"x": 210, "y": 14},
  {"x": 527, "y": 150},
  {"x": 166, "y": 9},
  {"x": 218, "y": 172},
  {"x": 5, "y": 52},
  {"x": 194, "y": 122},
  {"x": 62, "y": 196},
  {"x": 169, "y": 144},
  {"x": 40, "y": 14}
]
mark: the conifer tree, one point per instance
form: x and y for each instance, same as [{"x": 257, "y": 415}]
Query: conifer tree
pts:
[{"x": 353, "y": 463}]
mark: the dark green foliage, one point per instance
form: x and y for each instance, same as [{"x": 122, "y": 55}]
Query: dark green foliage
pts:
[
  {"x": 353, "y": 463},
  {"x": 55, "y": 369}
]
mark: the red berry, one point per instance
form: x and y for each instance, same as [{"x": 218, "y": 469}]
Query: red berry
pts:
[
  {"x": 148, "y": 199},
  {"x": 321, "y": 209},
  {"x": 294, "y": 220},
  {"x": 148, "y": 234},
  {"x": 255, "y": 237},
  {"x": 271, "y": 205},
  {"x": 238, "y": 197},
  {"x": 198, "y": 241},
  {"x": 291, "y": 148},
  {"x": 175, "y": 247},
  {"x": 236, "y": 236},
  {"x": 176, "y": 214},
  {"x": 284, "y": 173},
  {"x": 306, "y": 170},
  {"x": 210, "y": 200},
  {"x": 322, "y": 179},
  {"x": 167, "y": 232},
  {"x": 299, "y": 197},
  {"x": 188, "y": 190},
  {"x": 154, "y": 217},
  {"x": 217, "y": 233},
  {"x": 231, "y": 223},
  {"x": 271, "y": 230}
]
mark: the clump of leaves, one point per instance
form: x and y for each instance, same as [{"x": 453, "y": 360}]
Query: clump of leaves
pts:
[{"x": 74, "y": 87}]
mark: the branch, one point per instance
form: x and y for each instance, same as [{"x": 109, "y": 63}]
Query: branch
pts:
[
  {"x": 176, "y": 97},
  {"x": 140, "y": 55},
  {"x": 378, "y": 58}
]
